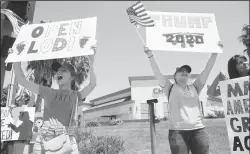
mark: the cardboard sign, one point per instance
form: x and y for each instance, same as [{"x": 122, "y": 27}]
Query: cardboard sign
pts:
[
  {"x": 6, "y": 132},
  {"x": 54, "y": 40},
  {"x": 38, "y": 122},
  {"x": 183, "y": 32},
  {"x": 235, "y": 96},
  {"x": 21, "y": 120}
]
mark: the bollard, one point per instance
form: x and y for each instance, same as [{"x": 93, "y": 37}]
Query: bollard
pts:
[{"x": 152, "y": 124}]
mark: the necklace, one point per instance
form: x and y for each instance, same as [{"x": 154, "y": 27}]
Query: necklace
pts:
[
  {"x": 186, "y": 91},
  {"x": 185, "y": 88}
]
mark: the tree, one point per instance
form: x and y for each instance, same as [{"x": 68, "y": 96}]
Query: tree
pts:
[
  {"x": 4, "y": 96},
  {"x": 244, "y": 38},
  {"x": 43, "y": 73},
  {"x": 24, "y": 98}
]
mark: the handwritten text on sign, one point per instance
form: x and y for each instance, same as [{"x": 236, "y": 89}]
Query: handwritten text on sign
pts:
[
  {"x": 235, "y": 96},
  {"x": 54, "y": 40},
  {"x": 188, "y": 38},
  {"x": 6, "y": 132},
  {"x": 186, "y": 32}
]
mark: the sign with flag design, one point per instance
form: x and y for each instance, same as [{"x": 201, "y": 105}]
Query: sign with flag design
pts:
[
  {"x": 54, "y": 40},
  {"x": 183, "y": 32}
]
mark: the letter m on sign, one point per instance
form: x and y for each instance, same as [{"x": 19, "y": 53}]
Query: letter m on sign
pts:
[{"x": 236, "y": 91}]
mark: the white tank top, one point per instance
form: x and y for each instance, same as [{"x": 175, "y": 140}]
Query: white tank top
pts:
[{"x": 184, "y": 108}]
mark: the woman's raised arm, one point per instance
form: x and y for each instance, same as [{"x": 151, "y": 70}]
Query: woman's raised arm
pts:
[{"x": 163, "y": 82}]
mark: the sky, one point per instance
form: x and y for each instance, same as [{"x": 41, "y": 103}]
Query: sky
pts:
[{"x": 120, "y": 50}]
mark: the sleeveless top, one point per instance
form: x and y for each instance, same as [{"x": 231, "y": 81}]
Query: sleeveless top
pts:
[{"x": 184, "y": 107}]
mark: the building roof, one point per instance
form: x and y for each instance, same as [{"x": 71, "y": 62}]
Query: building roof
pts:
[
  {"x": 109, "y": 104},
  {"x": 111, "y": 95},
  {"x": 126, "y": 92},
  {"x": 136, "y": 78}
]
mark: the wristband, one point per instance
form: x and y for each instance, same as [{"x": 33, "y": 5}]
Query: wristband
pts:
[{"x": 151, "y": 56}]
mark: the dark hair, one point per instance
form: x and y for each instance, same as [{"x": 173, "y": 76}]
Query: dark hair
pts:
[
  {"x": 74, "y": 85},
  {"x": 232, "y": 63}
]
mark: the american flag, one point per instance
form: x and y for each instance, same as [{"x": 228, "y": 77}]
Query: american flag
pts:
[
  {"x": 15, "y": 20},
  {"x": 22, "y": 90},
  {"x": 138, "y": 16}
]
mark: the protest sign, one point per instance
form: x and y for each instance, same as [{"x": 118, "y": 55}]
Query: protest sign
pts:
[
  {"x": 17, "y": 123},
  {"x": 183, "y": 32},
  {"x": 235, "y": 96},
  {"x": 5, "y": 120},
  {"x": 54, "y": 40},
  {"x": 38, "y": 122}
]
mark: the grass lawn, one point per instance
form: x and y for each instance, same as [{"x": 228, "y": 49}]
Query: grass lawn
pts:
[{"x": 137, "y": 136}]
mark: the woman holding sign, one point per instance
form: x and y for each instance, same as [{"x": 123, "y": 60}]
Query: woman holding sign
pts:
[
  {"x": 186, "y": 130},
  {"x": 60, "y": 107},
  {"x": 238, "y": 66}
]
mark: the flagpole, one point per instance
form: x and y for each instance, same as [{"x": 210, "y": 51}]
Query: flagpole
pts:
[{"x": 140, "y": 36}]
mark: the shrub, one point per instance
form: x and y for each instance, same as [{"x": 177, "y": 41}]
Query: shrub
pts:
[
  {"x": 92, "y": 124},
  {"x": 116, "y": 122},
  {"x": 90, "y": 144},
  {"x": 215, "y": 112},
  {"x": 165, "y": 118},
  {"x": 156, "y": 119},
  {"x": 219, "y": 113},
  {"x": 210, "y": 114}
]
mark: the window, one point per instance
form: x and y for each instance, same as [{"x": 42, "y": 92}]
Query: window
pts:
[{"x": 130, "y": 110}]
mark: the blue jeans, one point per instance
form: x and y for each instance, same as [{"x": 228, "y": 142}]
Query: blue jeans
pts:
[{"x": 184, "y": 141}]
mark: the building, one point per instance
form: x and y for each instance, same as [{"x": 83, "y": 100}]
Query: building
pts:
[
  {"x": 214, "y": 101},
  {"x": 130, "y": 103},
  {"x": 115, "y": 105}
]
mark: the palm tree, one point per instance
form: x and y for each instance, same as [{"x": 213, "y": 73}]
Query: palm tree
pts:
[
  {"x": 4, "y": 96},
  {"x": 43, "y": 72},
  {"x": 244, "y": 38}
]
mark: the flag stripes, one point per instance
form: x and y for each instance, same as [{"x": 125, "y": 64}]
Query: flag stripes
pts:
[
  {"x": 138, "y": 16},
  {"x": 14, "y": 19},
  {"x": 21, "y": 90}
]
